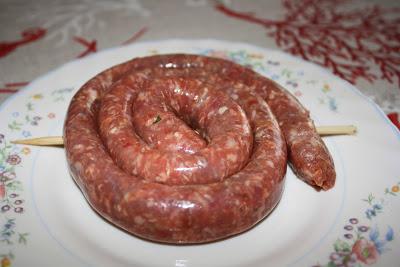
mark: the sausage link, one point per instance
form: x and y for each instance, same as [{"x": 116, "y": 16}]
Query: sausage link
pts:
[{"x": 106, "y": 135}]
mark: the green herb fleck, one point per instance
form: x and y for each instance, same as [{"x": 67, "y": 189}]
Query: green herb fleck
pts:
[{"x": 157, "y": 119}]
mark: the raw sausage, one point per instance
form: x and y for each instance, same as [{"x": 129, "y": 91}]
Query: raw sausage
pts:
[{"x": 185, "y": 149}]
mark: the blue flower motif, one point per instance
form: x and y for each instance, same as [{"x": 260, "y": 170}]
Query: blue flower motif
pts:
[
  {"x": 275, "y": 77},
  {"x": 380, "y": 246},
  {"x": 332, "y": 103},
  {"x": 6, "y": 234},
  {"x": 377, "y": 207},
  {"x": 238, "y": 56},
  {"x": 266, "y": 72},
  {"x": 15, "y": 114},
  {"x": 389, "y": 234},
  {"x": 374, "y": 237},
  {"x": 374, "y": 234},
  {"x": 370, "y": 213},
  {"x": 26, "y": 133}
]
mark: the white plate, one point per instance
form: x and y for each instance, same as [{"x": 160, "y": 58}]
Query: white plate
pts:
[{"x": 49, "y": 223}]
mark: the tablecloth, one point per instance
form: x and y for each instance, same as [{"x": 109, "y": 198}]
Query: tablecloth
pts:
[{"x": 358, "y": 41}]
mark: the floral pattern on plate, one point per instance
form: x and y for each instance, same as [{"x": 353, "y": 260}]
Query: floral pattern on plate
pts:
[
  {"x": 364, "y": 244},
  {"x": 12, "y": 157}
]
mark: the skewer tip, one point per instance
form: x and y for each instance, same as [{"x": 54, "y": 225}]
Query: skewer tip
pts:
[{"x": 337, "y": 130}]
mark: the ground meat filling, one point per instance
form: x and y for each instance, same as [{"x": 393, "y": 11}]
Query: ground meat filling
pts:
[
  {"x": 221, "y": 120},
  {"x": 184, "y": 148}
]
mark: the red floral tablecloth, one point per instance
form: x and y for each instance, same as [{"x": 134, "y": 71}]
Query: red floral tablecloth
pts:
[{"x": 358, "y": 41}]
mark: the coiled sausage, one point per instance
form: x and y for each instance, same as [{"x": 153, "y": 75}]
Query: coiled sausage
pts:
[{"x": 185, "y": 149}]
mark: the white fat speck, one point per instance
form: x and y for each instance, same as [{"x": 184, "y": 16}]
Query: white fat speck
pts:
[
  {"x": 272, "y": 95},
  {"x": 138, "y": 159},
  {"x": 199, "y": 198},
  {"x": 221, "y": 110},
  {"x": 178, "y": 135},
  {"x": 114, "y": 130},
  {"x": 231, "y": 143},
  {"x": 204, "y": 94},
  {"x": 253, "y": 114},
  {"x": 168, "y": 122},
  {"x": 257, "y": 178},
  {"x": 247, "y": 129},
  {"x": 234, "y": 96},
  {"x": 138, "y": 220},
  {"x": 177, "y": 89},
  {"x": 78, "y": 147},
  {"x": 231, "y": 157},
  {"x": 150, "y": 202},
  {"x": 141, "y": 96},
  {"x": 202, "y": 163},
  {"x": 259, "y": 134},
  {"x": 149, "y": 122},
  {"x": 174, "y": 104},
  {"x": 292, "y": 134},
  {"x": 264, "y": 105},
  {"x": 169, "y": 136},
  {"x": 108, "y": 79},
  {"x": 127, "y": 197},
  {"x": 168, "y": 169},
  {"x": 161, "y": 178},
  {"x": 92, "y": 95},
  {"x": 270, "y": 163},
  {"x": 78, "y": 166},
  {"x": 141, "y": 75},
  {"x": 207, "y": 196},
  {"x": 314, "y": 142},
  {"x": 247, "y": 183},
  {"x": 210, "y": 114},
  {"x": 90, "y": 169}
]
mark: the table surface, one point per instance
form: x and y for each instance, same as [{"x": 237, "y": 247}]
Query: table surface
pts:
[{"x": 356, "y": 40}]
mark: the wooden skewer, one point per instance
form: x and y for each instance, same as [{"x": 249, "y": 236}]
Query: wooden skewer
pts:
[
  {"x": 41, "y": 141},
  {"x": 59, "y": 141},
  {"x": 336, "y": 130}
]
